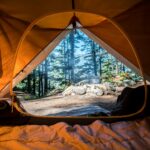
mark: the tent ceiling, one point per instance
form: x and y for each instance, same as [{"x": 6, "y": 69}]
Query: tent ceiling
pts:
[
  {"x": 131, "y": 15},
  {"x": 62, "y": 20},
  {"x": 28, "y": 10}
]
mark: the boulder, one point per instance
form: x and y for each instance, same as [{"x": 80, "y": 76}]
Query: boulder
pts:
[
  {"x": 132, "y": 83},
  {"x": 68, "y": 91},
  {"x": 109, "y": 92},
  {"x": 88, "y": 89},
  {"x": 119, "y": 89},
  {"x": 72, "y": 94},
  {"x": 125, "y": 85},
  {"x": 108, "y": 85},
  {"x": 95, "y": 90},
  {"x": 79, "y": 90},
  {"x": 98, "y": 92},
  {"x": 126, "y": 81},
  {"x": 102, "y": 86}
]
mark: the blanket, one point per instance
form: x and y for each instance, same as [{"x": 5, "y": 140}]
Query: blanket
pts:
[{"x": 125, "y": 135}]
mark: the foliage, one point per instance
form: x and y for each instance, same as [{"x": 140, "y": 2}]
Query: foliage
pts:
[{"x": 75, "y": 59}]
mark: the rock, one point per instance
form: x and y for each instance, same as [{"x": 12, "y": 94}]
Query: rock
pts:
[
  {"x": 68, "y": 91},
  {"x": 119, "y": 89},
  {"x": 88, "y": 88},
  {"x": 79, "y": 90},
  {"x": 113, "y": 88},
  {"x": 98, "y": 92},
  {"x": 125, "y": 85},
  {"x": 109, "y": 92},
  {"x": 132, "y": 83},
  {"x": 108, "y": 85},
  {"x": 72, "y": 94},
  {"x": 126, "y": 81},
  {"x": 95, "y": 90},
  {"x": 117, "y": 93},
  {"x": 102, "y": 86}
]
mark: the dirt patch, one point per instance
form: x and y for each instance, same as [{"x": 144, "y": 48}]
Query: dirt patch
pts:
[{"x": 55, "y": 105}]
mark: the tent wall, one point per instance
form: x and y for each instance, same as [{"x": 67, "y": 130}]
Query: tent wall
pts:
[
  {"x": 35, "y": 61},
  {"x": 12, "y": 30},
  {"x": 1, "y": 71},
  {"x": 136, "y": 23},
  {"x": 9, "y": 37}
]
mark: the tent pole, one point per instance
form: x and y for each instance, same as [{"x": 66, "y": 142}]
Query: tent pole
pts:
[{"x": 29, "y": 28}]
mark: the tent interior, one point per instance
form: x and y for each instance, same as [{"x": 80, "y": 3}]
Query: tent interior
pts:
[{"x": 30, "y": 30}]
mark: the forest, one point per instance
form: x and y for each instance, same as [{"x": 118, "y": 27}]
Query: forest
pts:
[{"x": 76, "y": 59}]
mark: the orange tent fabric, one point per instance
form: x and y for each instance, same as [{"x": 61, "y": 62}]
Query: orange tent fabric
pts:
[{"x": 37, "y": 39}]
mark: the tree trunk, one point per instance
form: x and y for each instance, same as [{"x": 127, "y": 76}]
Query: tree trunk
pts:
[
  {"x": 46, "y": 77},
  {"x": 100, "y": 62},
  {"x": 34, "y": 81},
  {"x": 42, "y": 81},
  {"x": 72, "y": 55},
  {"x": 68, "y": 61},
  {"x": 123, "y": 68},
  {"x": 39, "y": 90},
  {"x": 117, "y": 67},
  {"x": 64, "y": 60},
  {"x": 29, "y": 83},
  {"x": 94, "y": 58}
]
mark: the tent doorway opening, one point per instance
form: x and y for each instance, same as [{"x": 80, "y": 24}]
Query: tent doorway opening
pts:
[{"x": 78, "y": 78}]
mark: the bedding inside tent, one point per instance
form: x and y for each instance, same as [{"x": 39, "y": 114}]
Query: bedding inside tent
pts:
[{"x": 98, "y": 135}]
